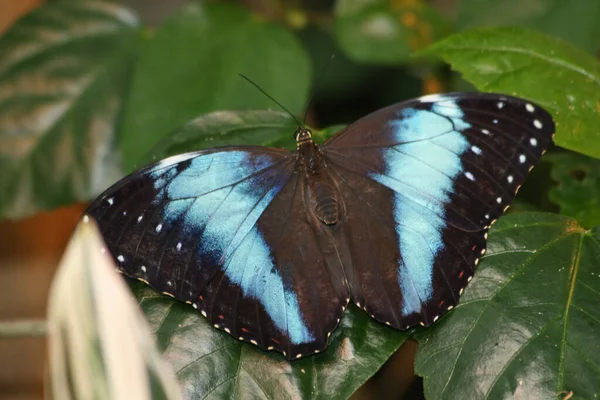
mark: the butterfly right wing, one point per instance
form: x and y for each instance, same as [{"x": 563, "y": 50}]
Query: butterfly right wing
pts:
[{"x": 422, "y": 182}]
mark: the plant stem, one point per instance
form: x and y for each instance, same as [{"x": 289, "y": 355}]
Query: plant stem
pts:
[{"x": 22, "y": 328}]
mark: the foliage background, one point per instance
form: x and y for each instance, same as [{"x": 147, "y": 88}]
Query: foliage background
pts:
[{"x": 90, "y": 90}]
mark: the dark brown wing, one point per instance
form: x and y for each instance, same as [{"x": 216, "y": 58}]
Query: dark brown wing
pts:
[{"x": 422, "y": 181}]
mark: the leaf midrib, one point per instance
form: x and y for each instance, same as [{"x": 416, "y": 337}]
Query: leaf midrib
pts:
[{"x": 561, "y": 364}]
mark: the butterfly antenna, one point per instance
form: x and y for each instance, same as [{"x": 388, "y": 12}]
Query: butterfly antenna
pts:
[
  {"x": 274, "y": 101},
  {"x": 316, "y": 85}
]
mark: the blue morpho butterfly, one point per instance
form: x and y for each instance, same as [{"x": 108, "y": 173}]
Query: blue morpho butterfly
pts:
[{"x": 391, "y": 213}]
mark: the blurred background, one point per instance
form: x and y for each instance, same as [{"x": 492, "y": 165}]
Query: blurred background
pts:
[{"x": 360, "y": 79}]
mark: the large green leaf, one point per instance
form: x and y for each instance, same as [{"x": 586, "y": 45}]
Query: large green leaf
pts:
[
  {"x": 190, "y": 66},
  {"x": 528, "y": 325},
  {"x": 100, "y": 344},
  {"x": 386, "y": 31},
  {"x": 228, "y": 128},
  {"x": 563, "y": 79},
  {"x": 209, "y": 363},
  {"x": 63, "y": 75},
  {"x": 577, "y": 189},
  {"x": 574, "y": 21}
]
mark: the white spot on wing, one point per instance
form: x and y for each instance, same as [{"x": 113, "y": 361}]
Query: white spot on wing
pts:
[
  {"x": 500, "y": 104},
  {"x": 485, "y": 131},
  {"x": 499, "y": 200},
  {"x": 476, "y": 150},
  {"x": 179, "y": 246},
  {"x": 111, "y": 201},
  {"x": 143, "y": 268},
  {"x": 430, "y": 98},
  {"x": 121, "y": 258},
  {"x": 510, "y": 178},
  {"x": 158, "y": 228},
  {"x": 140, "y": 218},
  {"x": 470, "y": 176},
  {"x": 522, "y": 158},
  {"x": 533, "y": 141},
  {"x": 495, "y": 121},
  {"x": 172, "y": 160},
  {"x": 537, "y": 124},
  {"x": 529, "y": 107}
]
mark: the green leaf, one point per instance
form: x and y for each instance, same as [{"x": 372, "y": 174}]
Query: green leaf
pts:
[
  {"x": 210, "y": 363},
  {"x": 226, "y": 128},
  {"x": 191, "y": 65},
  {"x": 63, "y": 75},
  {"x": 230, "y": 128},
  {"x": 559, "y": 77},
  {"x": 578, "y": 186},
  {"x": 386, "y": 31},
  {"x": 319, "y": 137},
  {"x": 528, "y": 324},
  {"x": 575, "y": 21},
  {"x": 100, "y": 344}
]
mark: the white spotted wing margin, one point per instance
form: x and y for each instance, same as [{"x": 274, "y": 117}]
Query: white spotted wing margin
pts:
[
  {"x": 425, "y": 179},
  {"x": 225, "y": 231}
]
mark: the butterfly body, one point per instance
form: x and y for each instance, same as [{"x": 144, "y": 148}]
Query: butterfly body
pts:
[
  {"x": 392, "y": 213},
  {"x": 323, "y": 198}
]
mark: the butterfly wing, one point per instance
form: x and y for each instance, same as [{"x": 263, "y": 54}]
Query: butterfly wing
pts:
[
  {"x": 224, "y": 230},
  {"x": 422, "y": 181}
]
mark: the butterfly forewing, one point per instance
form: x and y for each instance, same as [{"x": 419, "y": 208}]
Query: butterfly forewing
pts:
[{"x": 435, "y": 173}]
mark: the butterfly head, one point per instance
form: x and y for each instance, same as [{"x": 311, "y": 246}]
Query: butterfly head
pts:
[{"x": 302, "y": 135}]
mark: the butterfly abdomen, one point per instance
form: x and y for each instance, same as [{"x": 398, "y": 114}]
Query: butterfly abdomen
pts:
[
  {"x": 322, "y": 195},
  {"x": 324, "y": 201}
]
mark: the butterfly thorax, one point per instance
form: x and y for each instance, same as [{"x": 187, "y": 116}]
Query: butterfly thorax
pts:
[{"x": 321, "y": 194}]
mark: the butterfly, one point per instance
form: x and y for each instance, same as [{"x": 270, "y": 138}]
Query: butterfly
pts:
[{"x": 391, "y": 213}]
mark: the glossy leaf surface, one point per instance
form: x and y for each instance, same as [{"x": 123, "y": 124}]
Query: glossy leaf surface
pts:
[
  {"x": 554, "y": 74},
  {"x": 209, "y": 363},
  {"x": 63, "y": 76},
  {"x": 527, "y": 325},
  {"x": 577, "y": 189},
  {"x": 228, "y": 128},
  {"x": 183, "y": 72}
]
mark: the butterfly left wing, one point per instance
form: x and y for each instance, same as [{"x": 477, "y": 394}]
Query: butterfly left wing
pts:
[
  {"x": 224, "y": 231},
  {"x": 422, "y": 181}
]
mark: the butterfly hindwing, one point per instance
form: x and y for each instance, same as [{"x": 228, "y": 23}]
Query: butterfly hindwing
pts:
[{"x": 434, "y": 173}]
